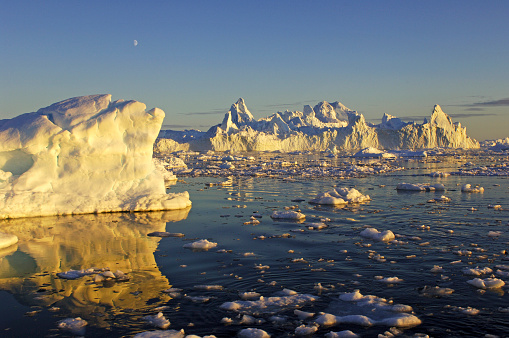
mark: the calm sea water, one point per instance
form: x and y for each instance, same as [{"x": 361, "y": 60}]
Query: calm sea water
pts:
[{"x": 33, "y": 299}]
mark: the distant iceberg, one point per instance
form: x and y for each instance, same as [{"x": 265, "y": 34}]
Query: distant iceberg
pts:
[
  {"x": 325, "y": 127},
  {"x": 82, "y": 155}
]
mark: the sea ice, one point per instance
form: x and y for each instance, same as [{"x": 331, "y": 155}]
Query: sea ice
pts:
[
  {"x": 420, "y": 187},
  {"x": 374, "y": 234},
  {"x": 74, "y": 325},
  {"x": 468, "y": 188},
  {"x": 355, "y": 308},
  {"x": 288, "y": 214},
  {"x": 267, "y": 305},
  {"x": 487, "y": 283},
  {"x": 83, "y": 155},
  {"x": 161, "y": 334},
  {"x": 158, "y": 320},
  {"x": 341, "y": 334},
  {"x": 202, "y": 244},
  {"x": 253, "y": 333},
  {"x": 340, "y": 196}
]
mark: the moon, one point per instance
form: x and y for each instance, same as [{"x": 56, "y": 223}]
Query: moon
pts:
[{"x": 135, "y": 43}]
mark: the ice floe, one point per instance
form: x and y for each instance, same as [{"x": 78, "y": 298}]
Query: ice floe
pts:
[
  {"x": 374, "y": 234},
  {"x": 355, "y": 308},
  {"x": 288, "y": 214},
  {"x": 468, "y": 188},
  {"x": 420, "y": 187},
  {"x": 76, "y": 326},
  {"x": 202, "y": 244},
  {"x": 340, "y": 196},
  {"x": 7, "y": 240}
]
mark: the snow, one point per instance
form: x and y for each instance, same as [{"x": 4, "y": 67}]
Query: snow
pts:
[
  {"x": 340, "y": 196},
  {"x": 6, "y": 240},
  {"x": 83, "y": 155},
  {"x": 326, "y": 126}
]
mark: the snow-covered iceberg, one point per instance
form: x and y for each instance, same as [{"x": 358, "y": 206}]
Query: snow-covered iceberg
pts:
[
  {"x": 326, "y": 126},
  {"x": 83, "y": 155}
]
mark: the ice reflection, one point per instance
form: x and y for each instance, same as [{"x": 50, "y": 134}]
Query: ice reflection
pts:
[{"x": 118, "y": 241}]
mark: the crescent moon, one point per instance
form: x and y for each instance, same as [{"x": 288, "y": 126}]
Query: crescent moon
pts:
[{"x": 135, "y": 43}]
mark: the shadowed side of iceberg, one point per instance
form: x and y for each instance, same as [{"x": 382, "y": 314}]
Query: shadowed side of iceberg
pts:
[{"x": 83, "y": 155}]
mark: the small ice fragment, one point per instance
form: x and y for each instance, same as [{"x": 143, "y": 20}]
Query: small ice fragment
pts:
[
  {"x": 158, "y": 320},
  {"x": 294, "y": 215},
  {"x": 202, "y": 244},
  {"x": 253, "y": 333},
  {"x": 74, "y": 325}
]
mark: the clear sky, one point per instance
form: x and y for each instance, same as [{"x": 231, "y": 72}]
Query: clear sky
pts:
[{"x": 193, "y": 59}]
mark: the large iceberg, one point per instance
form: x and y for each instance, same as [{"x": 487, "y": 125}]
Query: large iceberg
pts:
[
  {"x": 83, "y": 155},
  {"x": 326, "y": 126}
]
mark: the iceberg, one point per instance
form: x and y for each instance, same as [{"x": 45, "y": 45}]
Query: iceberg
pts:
[
  {"x": 86, "y": 154},
  {"x": 324, "y": 127}
]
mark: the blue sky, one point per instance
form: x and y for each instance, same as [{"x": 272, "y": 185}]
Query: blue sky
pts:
[{"x": 195, "y": 58}]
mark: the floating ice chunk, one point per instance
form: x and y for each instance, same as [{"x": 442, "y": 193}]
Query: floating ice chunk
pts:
[
  {"x": 269, "y": 304},
  {"x": 435, "y": 291},
  {"x": 420, "y": 187},
  {"x": 468, "y": 188},
  {"x": 302, "y": 315},
  {"x": 374, "y": 234},
  {"x": 341, "y": 334},
  {"x": 442, "y": 198},
  {"x": 161, "y": 334},
  {"x": 487, "y": 283},
  {"x": 355, "y": 308},
  {"x": 494, "y": 233},
  {"x": 389, "y": 280},
  {"x": 288, "y": 214},
  {"x": 202, "y": 244},
  {"x": 253, "y": 333},
  {"x": 304, "y": 330},
  {"x": 74, "y": 325},
  {"x": 371, "y": 152},
  {"x": 476, "y": 271},
  {"x": 340, "y": 196},
  {"x": 249, "y": 295},
  {"x": 6, "y": 240},
  {"x": 439, "y": 174},
  {"x": 158, "y": 320},
  {"x": 75, "y": 274}
]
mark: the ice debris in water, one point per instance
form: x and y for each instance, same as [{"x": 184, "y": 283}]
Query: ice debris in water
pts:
[
  {"x": 288, "y": 214},
  {"x": 468, "y": 188},
  {"x": 420, "y": 187},
  {"x": 162, "y": 334},
  {"x": 287, "y": 299},
  {"x": 476, "y": 271},
  {"x": 355, "y": 308},
  {"x": 435, "y": 291},
  {"x": 487, "y": 283},
  {"x": 202, "y": 244},
  {"x": 74, "y": 325},
  {"x": 374, "y": 234},
  {"x": 158, "y": 320},
  {"x": 253, "y": 333},
  {"x": 341, "y": 334},
  {"x": 340, "y": 196}
]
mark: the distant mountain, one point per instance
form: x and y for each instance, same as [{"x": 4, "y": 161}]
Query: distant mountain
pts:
[{"x": 326, "y": 126}]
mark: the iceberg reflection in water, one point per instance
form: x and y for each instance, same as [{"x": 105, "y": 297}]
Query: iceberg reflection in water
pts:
[{"x": 114, "y": 241}]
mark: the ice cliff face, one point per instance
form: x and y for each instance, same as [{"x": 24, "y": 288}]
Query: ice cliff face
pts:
[
  {"x": 325, "y": 126},
  {"x": 82, "y": 155}
]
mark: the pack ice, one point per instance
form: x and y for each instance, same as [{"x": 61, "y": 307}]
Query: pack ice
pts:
[
  {"x": 327, "y": 126},
  {"x": 83, "y": 155}
]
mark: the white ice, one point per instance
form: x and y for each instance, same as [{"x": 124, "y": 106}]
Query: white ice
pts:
[
  {"x": 420, "y": 187},
  {"x": 83, "y": 155},
  {"x": 202, "y": 244},
  {"x": 340, "y": 196},
  {"x": 468, "y": 188},
  {"x": 6, "y": 240},
  {"x": 288, "y": 214},
  {"x": 374, "y": 234},
  {"x": 74, "y": 325}
]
